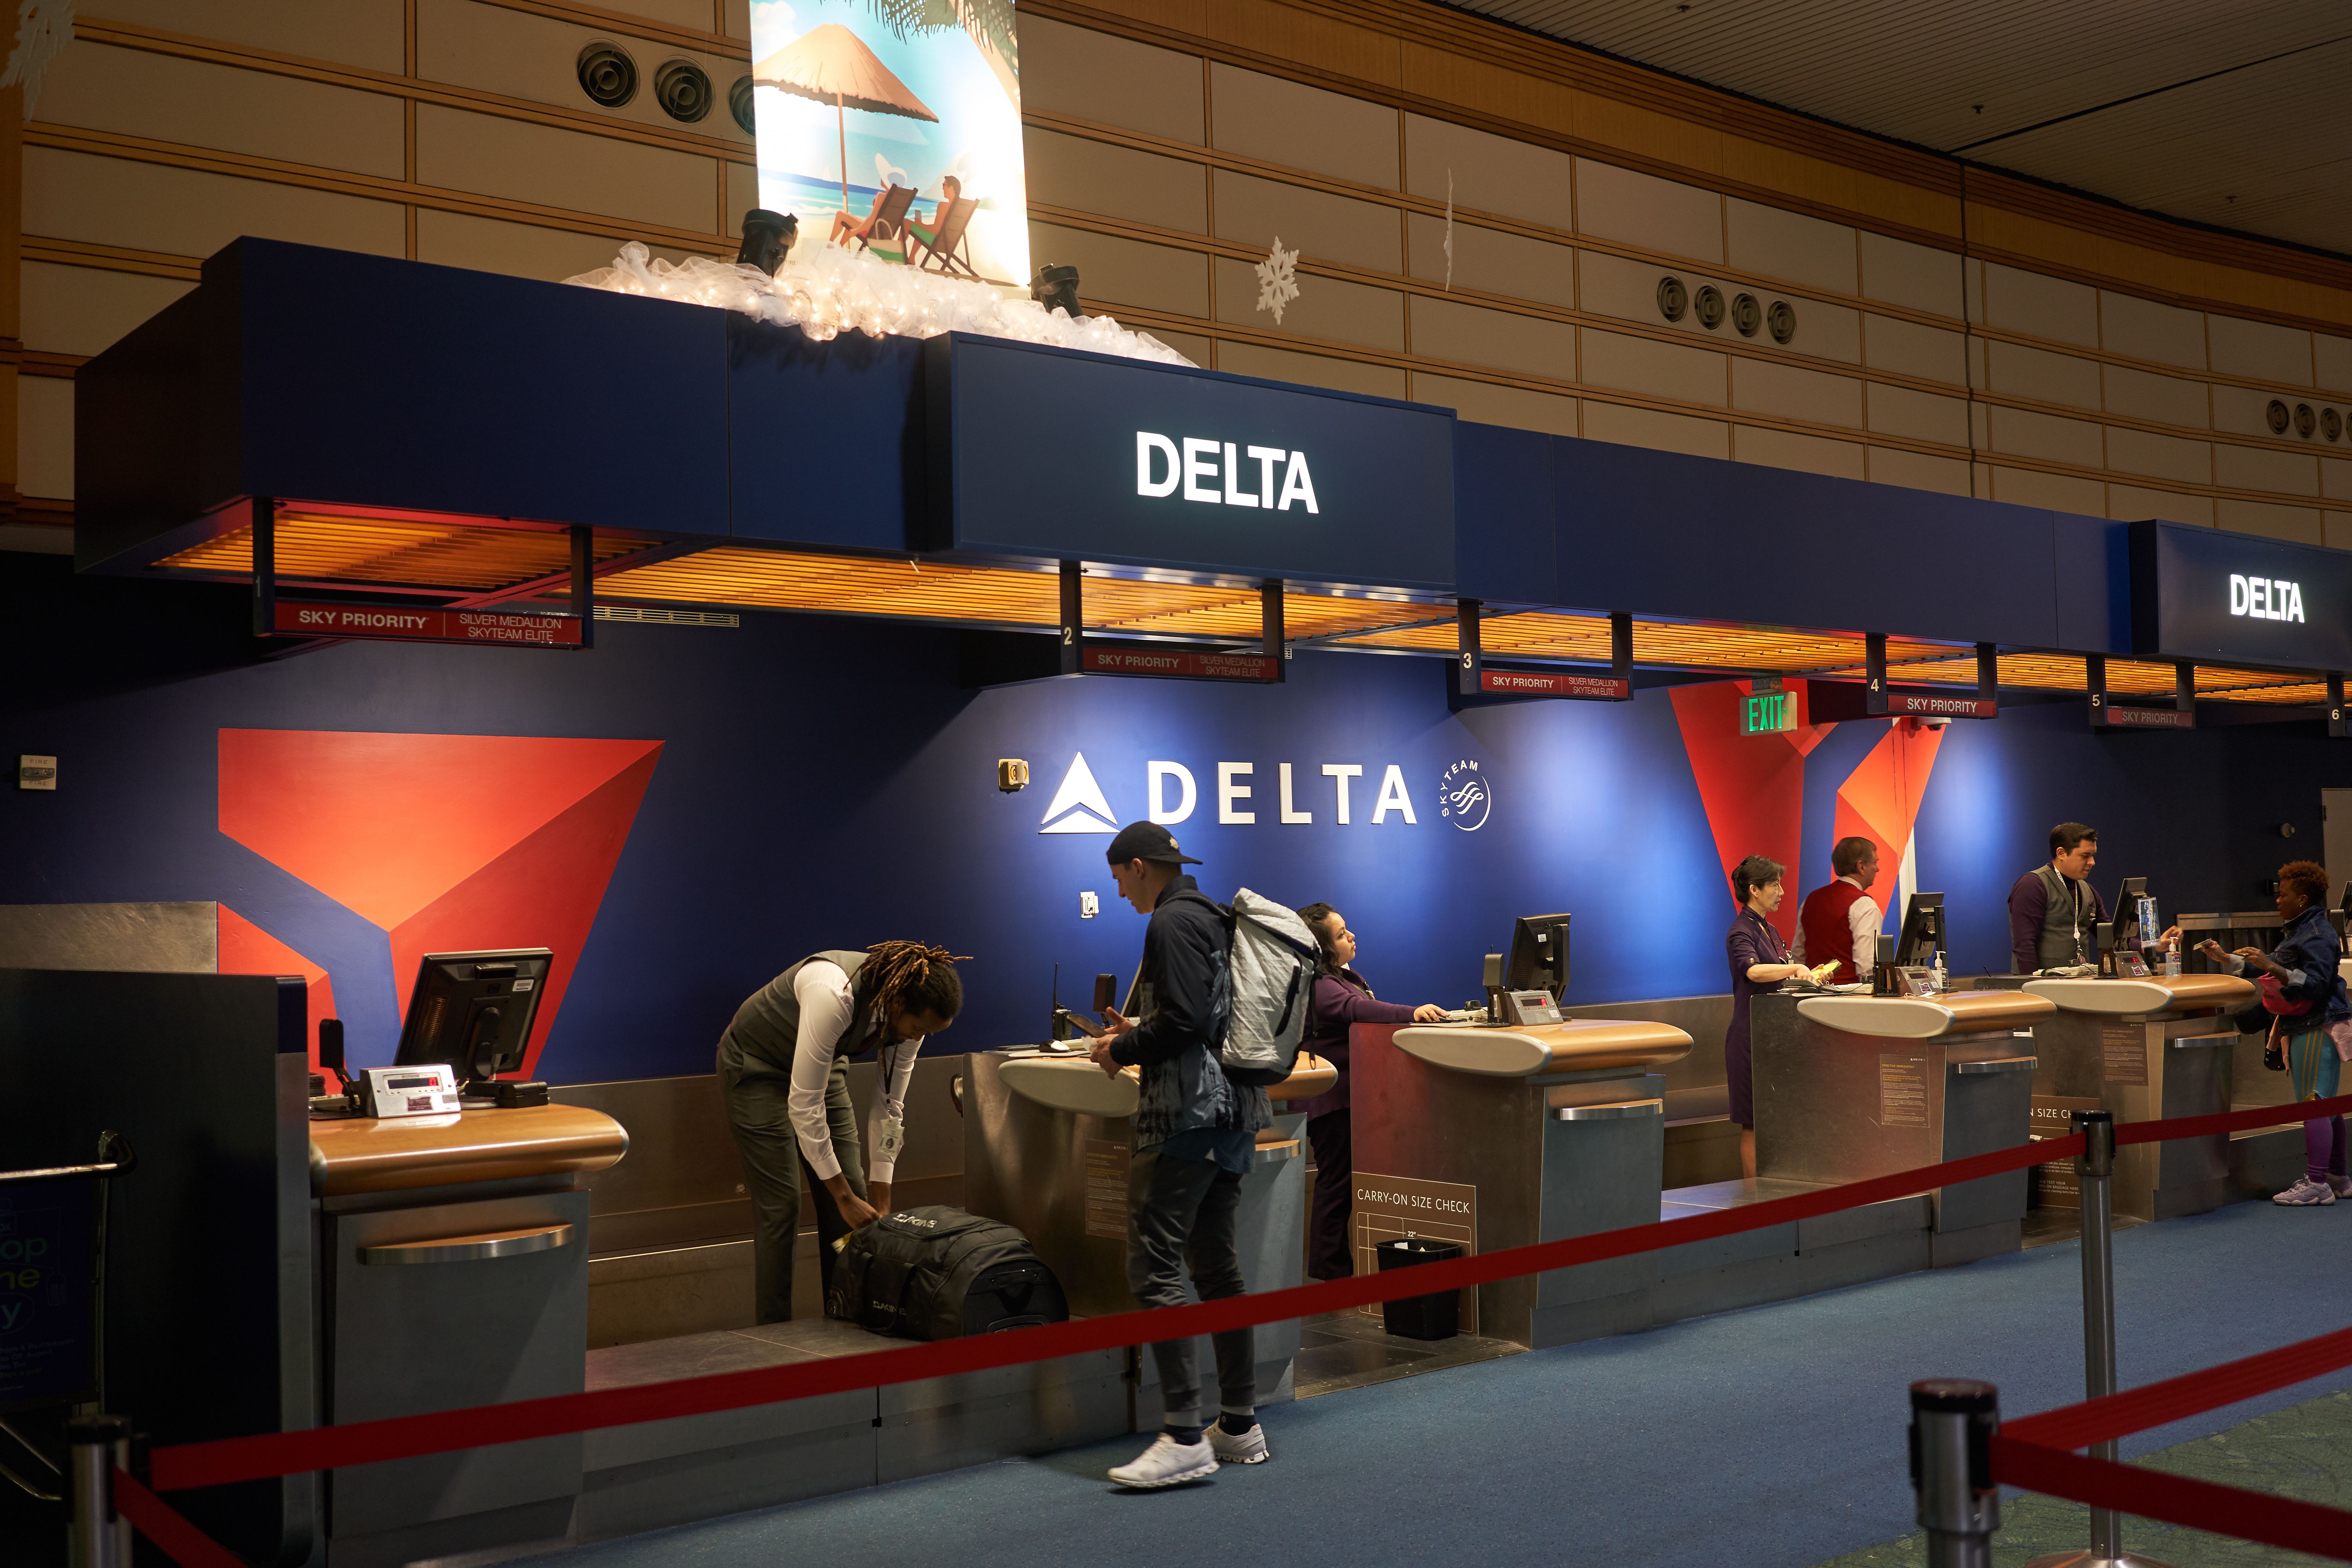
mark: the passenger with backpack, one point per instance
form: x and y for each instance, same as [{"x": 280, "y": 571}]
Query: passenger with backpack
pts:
[{"x": 1205, "y": 1072}]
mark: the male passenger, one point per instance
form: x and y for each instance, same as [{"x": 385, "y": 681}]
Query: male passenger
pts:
[
  {"x": 1196, "y": 1136},
  {"x": 2054, "y": 910},
  {"x": 1840, "y": 920}
]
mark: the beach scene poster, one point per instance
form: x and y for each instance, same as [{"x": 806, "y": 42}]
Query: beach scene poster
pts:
[{"x": 857, "y": 98}]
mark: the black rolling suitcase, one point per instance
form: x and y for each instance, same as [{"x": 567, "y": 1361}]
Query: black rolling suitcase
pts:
[{"x": 935, "y": 1272}]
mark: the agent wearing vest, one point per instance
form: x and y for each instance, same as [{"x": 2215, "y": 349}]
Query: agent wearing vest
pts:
[
  {"x": 2054, "y": 910},
  {"x": 1840, "y": 920},
  {"x": 783, "y": 1066}
]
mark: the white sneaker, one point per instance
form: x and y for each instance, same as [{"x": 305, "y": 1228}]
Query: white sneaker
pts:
[
  {"x": 1245, "y": 1448},
  {"x": 1169, "y": 1463},
  {"x": 2305, "y": 1193}
]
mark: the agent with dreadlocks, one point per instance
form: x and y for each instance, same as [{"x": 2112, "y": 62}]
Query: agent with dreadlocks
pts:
[{"x": 783, "y": 1065}]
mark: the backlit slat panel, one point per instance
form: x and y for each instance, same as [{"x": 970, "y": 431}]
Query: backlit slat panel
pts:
[
  {"x": 1539, "y": 634},
  {"x": 379, "y": 550}
]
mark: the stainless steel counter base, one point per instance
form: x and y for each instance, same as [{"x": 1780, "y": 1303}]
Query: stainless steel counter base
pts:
[
  {"x": 2184, "y": 1067},
  {"x": 1542, "y": 1170},
  {"x": 1062, "y": 1178}
]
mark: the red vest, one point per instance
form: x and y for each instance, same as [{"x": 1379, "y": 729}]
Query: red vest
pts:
[{"x": 1829, "y": 930}]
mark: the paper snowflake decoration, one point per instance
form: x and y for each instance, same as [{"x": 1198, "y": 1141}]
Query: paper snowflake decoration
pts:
[
  {"x": 44, "y": 28},
  {"x": 1278, "y": 279}
]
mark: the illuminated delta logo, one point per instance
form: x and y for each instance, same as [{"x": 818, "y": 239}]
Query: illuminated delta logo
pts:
[
  {"x": 1216, "y": 472},
  {"x": 1466, "y": 795},
  {"x": 2266, "y": 598},
  {"x": 1172, "y": 794}
]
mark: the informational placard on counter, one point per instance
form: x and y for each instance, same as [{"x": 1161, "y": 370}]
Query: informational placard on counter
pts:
[
  {"x": 1902, "y": 1090},
  {"x": 1391, "y": 1208},
  {"x": 2123, "y": 1052},
  {"x": 1107, "y": 1160}
]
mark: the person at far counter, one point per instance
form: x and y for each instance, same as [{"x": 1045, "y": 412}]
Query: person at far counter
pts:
[
  {"x": 2311, "y": 1024},
  {"x": 1341, "y": 997},
  {"x": 1839, "y": 921},
  {"x": 2054, "y": 910},
  {"x": 784, "y": 1067},
  {"x": 1759, "y": 960}
]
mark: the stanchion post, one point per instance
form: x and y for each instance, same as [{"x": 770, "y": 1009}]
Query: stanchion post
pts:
[
  {"x": 2096, "y": 1167},
  {"x": 1952, "y": 1423},
  {"x": 101, "y": 1536}
]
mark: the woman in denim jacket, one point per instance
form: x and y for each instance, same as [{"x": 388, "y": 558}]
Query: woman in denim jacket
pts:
[{"x": 2317, "y": 1040}]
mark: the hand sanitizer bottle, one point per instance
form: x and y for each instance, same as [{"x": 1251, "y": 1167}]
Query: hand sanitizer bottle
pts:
[
  {"x": 2172, "y": 959},
  {"x": 1942, "y": 980}
]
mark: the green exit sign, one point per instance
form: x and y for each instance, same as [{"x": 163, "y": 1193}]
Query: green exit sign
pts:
[{"x": 1768, "y": 713}]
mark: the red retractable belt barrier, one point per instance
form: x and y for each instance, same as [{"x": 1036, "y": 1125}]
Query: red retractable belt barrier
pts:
[
  {"x": 223, "y": 1460},
  {"x": 2033, "y": 1451}
]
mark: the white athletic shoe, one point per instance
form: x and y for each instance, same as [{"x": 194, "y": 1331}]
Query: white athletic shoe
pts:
[
  {"x": 1169, "y": 1463},
  {"x": 2305, "y": 1193},
  {"x": 1246, "y": 1449}
]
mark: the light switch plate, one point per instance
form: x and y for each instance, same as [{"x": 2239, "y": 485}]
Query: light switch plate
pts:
[
  {"x": 1088, "y": 906},
  {"x": 36, "y": 773}
]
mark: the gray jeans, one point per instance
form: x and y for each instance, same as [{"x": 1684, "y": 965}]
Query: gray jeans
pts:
[
  {"x": 774, "y": 1171},
  {"x": 1180, "y": 1212}
]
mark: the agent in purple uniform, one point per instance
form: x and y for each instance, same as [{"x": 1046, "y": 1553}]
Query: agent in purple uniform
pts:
[
  {"x": 1759, "y": 960},
  {"x": 1341, "y": 998}
]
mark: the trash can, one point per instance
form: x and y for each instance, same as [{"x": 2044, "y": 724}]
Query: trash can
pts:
[{"x": 1434, "y": 1317}]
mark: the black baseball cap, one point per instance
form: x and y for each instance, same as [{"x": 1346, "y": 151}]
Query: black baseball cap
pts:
[{"x": 1145, "y": 841}]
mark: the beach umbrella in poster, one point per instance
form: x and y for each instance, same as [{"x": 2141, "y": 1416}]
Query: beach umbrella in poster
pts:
[{"x": 832, "y": 65}]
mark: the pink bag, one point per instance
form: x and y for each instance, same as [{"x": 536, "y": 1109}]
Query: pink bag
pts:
[{"x": 2275, "y": 998}]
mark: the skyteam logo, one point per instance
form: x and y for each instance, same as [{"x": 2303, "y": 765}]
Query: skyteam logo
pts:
[
  {"x": 1078, "y": 806},
  {"x": 1465, "y": 795}
]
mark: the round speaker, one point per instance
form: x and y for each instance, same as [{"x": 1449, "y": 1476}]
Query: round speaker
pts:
[
  {"x": 1710, "y": 307},
  {"x": 739, "y": 104},
  {"x": 2277, "y": 416},
  {"x": 1783, "y": 318},
  {"x": 2331, "y": 424},
  {"x": 1747, "y": 314},
  {"x": 1673, "y": 298},
  {"x": 2305, "y": 421},
  {"x": 607, "y": 75},
  {"x": 683, "y": 90}
]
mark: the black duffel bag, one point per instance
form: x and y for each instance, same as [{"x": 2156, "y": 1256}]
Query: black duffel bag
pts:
[{"x": 935, "y": 1272}]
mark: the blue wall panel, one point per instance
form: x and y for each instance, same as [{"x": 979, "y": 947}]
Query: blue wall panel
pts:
[{"x": 824, "y": 441}]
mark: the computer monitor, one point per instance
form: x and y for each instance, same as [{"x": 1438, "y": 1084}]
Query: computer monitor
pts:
[
  {"x": 2123, "y": 934},
  {"x": 1923, "y": 931},
  {"x": 1539, "y": 955},
  {"x": 474, "y": 1011}
]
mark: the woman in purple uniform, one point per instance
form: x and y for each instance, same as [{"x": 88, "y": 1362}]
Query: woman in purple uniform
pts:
[{"x": 1759, "y": 960}]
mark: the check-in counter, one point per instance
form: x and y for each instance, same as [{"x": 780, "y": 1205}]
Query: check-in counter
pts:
[
  {"x": 1852, "y": 1086},
  {"x": 1493, "y": 1138},
  {"x": 2142, "y": 1049},
  {"x": 1048, "y": 1140},
  {"x": 453, "y": 1257}
]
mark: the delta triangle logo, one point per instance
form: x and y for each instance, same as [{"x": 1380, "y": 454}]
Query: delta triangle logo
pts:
[{"x": 1078, "y": 806}]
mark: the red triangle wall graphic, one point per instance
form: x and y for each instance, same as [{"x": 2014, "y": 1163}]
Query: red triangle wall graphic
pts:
[
  {"x": 246, "y": 949},
  {"x": 1752, "y": 786},
  {"x": 1880, "y": 799},
  {"x": 543, "y": 892},
  {"x": 384, "y": 824}
]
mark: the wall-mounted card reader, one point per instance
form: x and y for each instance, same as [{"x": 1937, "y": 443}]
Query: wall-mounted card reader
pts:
[{"x": 429, "y": 1090}]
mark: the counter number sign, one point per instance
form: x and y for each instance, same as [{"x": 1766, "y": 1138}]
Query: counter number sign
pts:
[{"x": 1768, "y": 713}]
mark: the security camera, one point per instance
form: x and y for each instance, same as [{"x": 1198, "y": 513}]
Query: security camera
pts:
[{"x": 1935, "y": 724}]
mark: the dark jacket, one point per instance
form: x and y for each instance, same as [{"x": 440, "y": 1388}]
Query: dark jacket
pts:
[
  {"x": 1341, "y": 998},
  {"x": 1184, "y": 999},
  {"x": 2309, "y": 948}
]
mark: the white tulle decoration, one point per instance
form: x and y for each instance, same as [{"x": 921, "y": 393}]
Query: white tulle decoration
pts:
[{"x": 826, "y": 290}]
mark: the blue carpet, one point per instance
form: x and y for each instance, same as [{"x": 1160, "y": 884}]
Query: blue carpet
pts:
[{"x": 1773, "y": 1434}]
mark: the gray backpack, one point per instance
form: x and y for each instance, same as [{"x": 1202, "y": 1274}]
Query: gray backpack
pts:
[{"x": 1273, "y": 958}]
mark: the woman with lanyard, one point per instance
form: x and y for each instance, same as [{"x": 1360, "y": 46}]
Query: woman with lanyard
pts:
[
  {"x": 2311, "y": 1025},
  {"x": 1759, "y": 960},
  {"x": 783, "y": 1066},
  {"x": 1342, "y": 997}
]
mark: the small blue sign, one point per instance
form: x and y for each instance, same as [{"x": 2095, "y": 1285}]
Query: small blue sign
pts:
[
  {"x": 1049, "y": 453},
  {"x": 45, "y": 1293}
]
